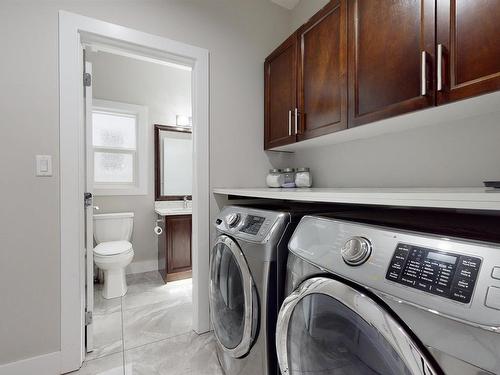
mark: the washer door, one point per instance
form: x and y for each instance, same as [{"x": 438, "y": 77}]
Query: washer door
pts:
[
  {"x": 328, "y": 327},
  {"x": 232, "y": 298}
]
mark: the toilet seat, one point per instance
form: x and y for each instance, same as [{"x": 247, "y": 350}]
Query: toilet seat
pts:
[{"x": 111, "y": 248}]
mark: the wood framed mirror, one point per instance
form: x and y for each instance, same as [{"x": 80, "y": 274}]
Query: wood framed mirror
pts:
[{"x": 173, "y": 162}]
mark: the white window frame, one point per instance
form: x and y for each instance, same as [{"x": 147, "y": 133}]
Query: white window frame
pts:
[{"x": 140, "y": 184}]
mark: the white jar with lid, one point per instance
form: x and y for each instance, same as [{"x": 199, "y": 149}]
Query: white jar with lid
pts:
[
  {"x": 274, "y": 178},
  {"x": 303, "y": 178}
]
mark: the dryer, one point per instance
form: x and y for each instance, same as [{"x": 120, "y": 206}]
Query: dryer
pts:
[
  {"x": 367, "y": 299},
  {"x": 247, "y": 272}
]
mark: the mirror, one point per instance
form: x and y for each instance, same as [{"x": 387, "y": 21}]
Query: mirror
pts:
[{"x": 173, "y": 162}]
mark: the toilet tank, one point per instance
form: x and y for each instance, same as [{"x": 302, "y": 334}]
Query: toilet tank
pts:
[{"x": 113, "y": 227}]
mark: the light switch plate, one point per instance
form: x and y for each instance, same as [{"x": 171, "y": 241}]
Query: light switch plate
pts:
[{"x": 43, "y": 165}]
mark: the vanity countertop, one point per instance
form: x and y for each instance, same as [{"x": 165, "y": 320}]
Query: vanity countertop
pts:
[
  {"x": 173, "y": 211},
  {"x": 172, "y": 208},
  {"x": 455, "y": 198}
]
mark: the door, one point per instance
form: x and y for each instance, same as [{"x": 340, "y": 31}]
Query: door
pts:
[
  {"x": 328, "y": 327},
  {"x": 322, "y": 72},
  {"x": 89, "y": 210},
  {"x": 468, "y": 53},
  {"x": 391, "y": 58},
  {"x": 233, "y": 300},
  {"x": 178, "y": 232},
  {"x": 280, "y": 98}
]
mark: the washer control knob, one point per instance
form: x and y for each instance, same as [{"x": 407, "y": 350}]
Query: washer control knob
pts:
[
  {"x": 356, "y": 251},
  {"x": 233, "y": 219}
]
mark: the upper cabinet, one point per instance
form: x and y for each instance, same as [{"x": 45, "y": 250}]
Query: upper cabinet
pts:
[
  {"x": 280, "y": 87},
  {"x": 468, "y": 48},
  {"x": 322, "y": 79},
  {"x": 360, "y": 61},
  {"x": 391, "y": 49}
]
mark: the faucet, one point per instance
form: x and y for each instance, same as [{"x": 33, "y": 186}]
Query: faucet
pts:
[{"x": 185, "y": 199}]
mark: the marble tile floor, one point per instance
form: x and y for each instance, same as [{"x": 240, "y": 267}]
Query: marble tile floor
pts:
[{"x": 149, "y": 331}]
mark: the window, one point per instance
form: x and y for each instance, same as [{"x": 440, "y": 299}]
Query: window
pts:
[{"x": 119, "y": 133}]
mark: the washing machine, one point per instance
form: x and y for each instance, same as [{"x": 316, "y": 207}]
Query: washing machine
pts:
[
  {"x": 247, "y": 272},
  {"x": 370, "y": 299}
]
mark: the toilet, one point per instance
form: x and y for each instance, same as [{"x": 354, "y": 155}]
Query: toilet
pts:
[{"x": 114, "y": 252}]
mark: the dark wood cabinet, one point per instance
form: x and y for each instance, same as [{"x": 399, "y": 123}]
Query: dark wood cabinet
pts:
[
  {"x": 468, "y": 46},
  {"x": 391, "y": 50},
  {"x": 280, "y": 85},
  {"x": 322, "y": 75},
  {"x": 360, "y": 61},
  {"x": 174, "y": 255}
]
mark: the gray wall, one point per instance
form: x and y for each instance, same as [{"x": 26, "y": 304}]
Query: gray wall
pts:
[
  {"x": 303, "y": 11},
  {"x": 166, "y": 91},
  {"x": 461, "y": 153},
  {"x": 238, "y": 34}
]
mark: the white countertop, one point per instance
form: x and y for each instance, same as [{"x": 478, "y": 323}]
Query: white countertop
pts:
[
  {"x": 455, "y": 198},
  {"x": 172, "y": 208},
  {"x": 173, "y": 212}
]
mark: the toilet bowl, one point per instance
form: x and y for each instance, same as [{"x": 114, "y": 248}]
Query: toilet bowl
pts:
[{"x": 114, "y": 252}]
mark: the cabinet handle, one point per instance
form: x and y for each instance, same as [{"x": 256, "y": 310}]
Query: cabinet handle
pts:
[
  {"x": 290, "y": 122},
  {"x": 439, "y": 67},
  {"x": 296, "y": 120},
  {"x": 423, "y": 78}
]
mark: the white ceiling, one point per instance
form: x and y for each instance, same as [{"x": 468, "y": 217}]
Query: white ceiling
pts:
[{"x": 288, "y": 4}]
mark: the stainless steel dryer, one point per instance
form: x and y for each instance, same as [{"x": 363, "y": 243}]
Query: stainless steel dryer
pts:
[
  {"x": 365, "y": 299},
  {"x": 247, "y": 271}
]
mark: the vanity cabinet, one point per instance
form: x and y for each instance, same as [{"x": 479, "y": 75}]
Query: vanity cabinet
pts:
[
  {"x": 360, "y": 61},
  {"x": 468, "y": 47},
  {"x": 174, "y": 255}
]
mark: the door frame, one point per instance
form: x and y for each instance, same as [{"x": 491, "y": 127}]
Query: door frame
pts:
[{"x": 73, "y": 29}]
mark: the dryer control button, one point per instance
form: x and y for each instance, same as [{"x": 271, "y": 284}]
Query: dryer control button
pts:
[
  {"x": 496, "y": 273},
  {"x": 493, "y": 298},
  {"x": 356, "y": 251}
]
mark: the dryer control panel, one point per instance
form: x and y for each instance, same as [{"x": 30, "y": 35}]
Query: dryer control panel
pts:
[{"x": 441, "y": 273}]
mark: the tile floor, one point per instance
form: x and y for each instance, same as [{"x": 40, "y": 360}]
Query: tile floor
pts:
[{"x": 148, "y": 331}]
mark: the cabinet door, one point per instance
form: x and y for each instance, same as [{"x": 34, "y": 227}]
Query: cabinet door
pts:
[
  {"x": 322, "y": 90},
  {"x": 391, "y": 58},
  {"x": 468, "y": 38},
  {"x": 280, "y": 94},
  {"x": 178, "y": 243}
]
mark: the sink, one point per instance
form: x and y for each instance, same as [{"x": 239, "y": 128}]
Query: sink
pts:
[{"x": 170, "y": 208}]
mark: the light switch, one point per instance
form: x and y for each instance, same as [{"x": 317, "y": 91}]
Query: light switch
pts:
[{"x": 44, "y": 165}]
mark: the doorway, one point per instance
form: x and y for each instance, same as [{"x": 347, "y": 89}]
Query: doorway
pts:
[
  {"x": 74, "y": 32},
  {"x": 126, "y": 97}
]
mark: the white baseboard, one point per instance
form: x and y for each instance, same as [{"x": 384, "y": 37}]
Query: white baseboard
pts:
[
  {"x": 143, "y": 266},
  {"x": 47, "y": 364}
]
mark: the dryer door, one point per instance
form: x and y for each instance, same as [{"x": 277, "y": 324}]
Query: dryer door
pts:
[
  {"x": 233, "y": 303},
  {"x": 328, "y": 327}
]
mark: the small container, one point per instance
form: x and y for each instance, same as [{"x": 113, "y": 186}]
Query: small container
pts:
[
  {"x": 303, "y": 178},
  {"x": 274, "y": 178},
  {"x": 288, "y": 178}
]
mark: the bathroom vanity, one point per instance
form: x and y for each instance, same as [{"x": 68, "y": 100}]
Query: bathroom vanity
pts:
[
  {"x": 173, "y": 205},
  {"x": 174, "y": 247}
]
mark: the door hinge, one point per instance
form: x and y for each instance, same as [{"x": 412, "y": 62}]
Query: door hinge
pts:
[
  {"x": 87, "y": 200},
  {"x": 87, "y": 79},
  {"x": 88, "y": 318}
]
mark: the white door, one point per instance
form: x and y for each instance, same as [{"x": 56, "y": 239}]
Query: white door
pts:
[{"x": 89, "y": 210}]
